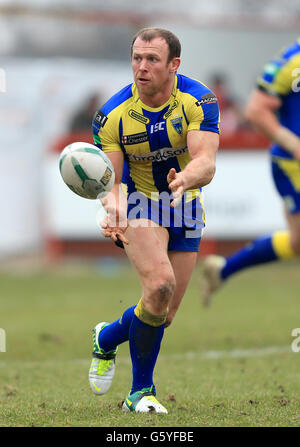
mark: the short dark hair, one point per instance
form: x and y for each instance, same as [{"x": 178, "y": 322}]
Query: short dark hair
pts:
[{"x": 148, "y": 34}]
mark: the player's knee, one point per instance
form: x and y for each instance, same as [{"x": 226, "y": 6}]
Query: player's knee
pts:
[{"x": 163, "y": 289}]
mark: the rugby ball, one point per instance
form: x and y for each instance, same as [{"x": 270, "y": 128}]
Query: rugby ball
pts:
[{"x": 86, "y": 170}]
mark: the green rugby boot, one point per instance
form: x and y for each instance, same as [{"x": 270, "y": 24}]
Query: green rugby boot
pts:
[
  {"x": 143, "y": 401},
  {"x": 102, "y": 368}
]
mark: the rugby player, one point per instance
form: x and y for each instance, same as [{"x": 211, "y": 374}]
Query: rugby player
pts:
[
  {"x": 161, "y": 133},
  {"x": 274, "y": 109}
]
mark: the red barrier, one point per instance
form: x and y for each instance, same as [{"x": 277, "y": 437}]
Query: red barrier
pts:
[
  {"x": 244, "y": 140},
  {"x": 241, "y": 140},
  {"x": 61, "y": 142}
]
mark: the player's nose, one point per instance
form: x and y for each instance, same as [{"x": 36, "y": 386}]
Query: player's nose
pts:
[{"x": 143, "y": 66}]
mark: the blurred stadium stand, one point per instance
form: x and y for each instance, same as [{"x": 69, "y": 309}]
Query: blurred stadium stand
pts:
[{"x": 55, "y": 54}]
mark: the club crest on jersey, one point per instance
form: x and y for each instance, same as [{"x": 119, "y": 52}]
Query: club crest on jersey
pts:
[{"x": 177, "y": 124}]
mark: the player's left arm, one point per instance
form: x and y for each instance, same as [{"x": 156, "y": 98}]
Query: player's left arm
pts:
[{"x": 203, "y": 147}]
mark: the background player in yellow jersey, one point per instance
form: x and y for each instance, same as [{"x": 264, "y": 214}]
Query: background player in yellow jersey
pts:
[
  {"x": 161, "y": 134},
  {"x": 274, "y": 109}
]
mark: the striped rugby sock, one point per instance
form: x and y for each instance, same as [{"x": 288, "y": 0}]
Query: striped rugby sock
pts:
[
  {"x": 144, "y": 343},
  {"x": 117, "y": 332},
  {"x": 263, "y": 250}
]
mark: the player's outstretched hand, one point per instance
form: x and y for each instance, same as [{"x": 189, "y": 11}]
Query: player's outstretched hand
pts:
[
  {"x": 176, "y": 185},
  {"x": 115, "y": 223}
]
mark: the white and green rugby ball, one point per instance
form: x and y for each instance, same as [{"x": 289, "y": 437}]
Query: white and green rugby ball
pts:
[{"x": 86, "y": 170}]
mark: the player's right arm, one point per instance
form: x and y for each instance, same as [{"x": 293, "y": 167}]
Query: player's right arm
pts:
[
  {"x": 115, "y": 203},
  {"x": 275, "y": 83},
  {"x": 106, "y": 137},
  {"x": 261, "y": 112}
]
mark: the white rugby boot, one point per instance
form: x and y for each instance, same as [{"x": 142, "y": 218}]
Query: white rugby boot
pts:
[
  {"x": 102, "y": 368},
  {"x": 143, "y": 401},
  {"x": 211, "y": 274}
]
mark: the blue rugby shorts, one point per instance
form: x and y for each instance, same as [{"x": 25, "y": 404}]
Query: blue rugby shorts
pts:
[
  {"x": 184, "y": 223},
  {"x": 286, "y": 176}
]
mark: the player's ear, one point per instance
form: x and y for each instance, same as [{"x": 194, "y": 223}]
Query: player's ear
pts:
[{"x": 174, "y": 64}]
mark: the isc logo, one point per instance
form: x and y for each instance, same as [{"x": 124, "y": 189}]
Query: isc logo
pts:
[{"x": 157, "y": 127}]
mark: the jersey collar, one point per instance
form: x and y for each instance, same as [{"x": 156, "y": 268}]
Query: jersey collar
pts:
[{"x": 137, "y": 99}]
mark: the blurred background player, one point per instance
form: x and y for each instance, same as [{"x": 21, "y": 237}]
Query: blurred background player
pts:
[
  {"x": 164, "y": 130},
  {"x": 82, "y": 120},
  {"x": 230, "y": 110},
  {"x": 274, "y": 109}
]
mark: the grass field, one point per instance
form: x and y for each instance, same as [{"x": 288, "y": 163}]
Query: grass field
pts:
[{"x": 229, "y": 365}]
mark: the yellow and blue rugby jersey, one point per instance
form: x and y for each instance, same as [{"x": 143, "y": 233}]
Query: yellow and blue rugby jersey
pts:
[
  {"x": 154, "y": 140},
  {"x": 281, "y": 77}
]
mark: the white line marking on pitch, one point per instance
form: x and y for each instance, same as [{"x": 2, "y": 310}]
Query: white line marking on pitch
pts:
[
  {"x": 238, "y": 353},
  {"x": 210, "y": 355}
]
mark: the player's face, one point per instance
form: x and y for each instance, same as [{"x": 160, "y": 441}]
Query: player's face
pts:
[{"x": 151, "y": 69}]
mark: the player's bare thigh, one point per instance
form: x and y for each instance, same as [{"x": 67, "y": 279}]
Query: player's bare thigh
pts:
[
  {"x": 183, "y": 263},
  {"x": 147, "y": 251}
]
